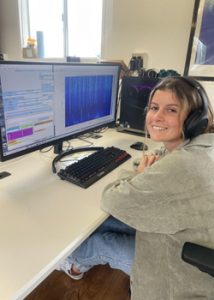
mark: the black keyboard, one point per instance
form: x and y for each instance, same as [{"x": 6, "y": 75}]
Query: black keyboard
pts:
[{"x": 88, "y": 170}]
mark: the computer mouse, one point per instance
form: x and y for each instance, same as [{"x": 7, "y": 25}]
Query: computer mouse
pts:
[{"x": 139, "y": 146}]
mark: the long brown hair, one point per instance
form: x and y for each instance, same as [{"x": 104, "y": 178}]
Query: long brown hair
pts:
[{"x": 188, "y": 96}]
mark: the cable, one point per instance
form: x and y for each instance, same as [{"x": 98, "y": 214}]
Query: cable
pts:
[
  {"x": 41, "y": 150},
  {"x": 72, "y": 159},
  {"x": 82, "y": 138},
  {"x": 85, "y": 140},
  {"x": 69, "y": 144},
  {"x": 86, "y": 135},
  {"x": 72, "y": 151},
  {"x": 101, "y": 130}
]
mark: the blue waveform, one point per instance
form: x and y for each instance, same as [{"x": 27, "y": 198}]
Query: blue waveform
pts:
[{"x": 87, "y": 98}]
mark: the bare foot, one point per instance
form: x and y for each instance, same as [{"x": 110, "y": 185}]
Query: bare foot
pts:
[{"x": 74, "y": 270}]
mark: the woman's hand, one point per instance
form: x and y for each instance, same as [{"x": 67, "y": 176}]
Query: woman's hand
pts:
[{"x": 147, "y": 161}]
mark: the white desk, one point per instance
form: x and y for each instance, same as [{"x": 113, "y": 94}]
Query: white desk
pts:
[{"x": 43, "y": 219}]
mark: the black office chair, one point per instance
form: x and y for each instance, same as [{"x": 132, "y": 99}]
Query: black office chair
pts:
[{"x": 199, "y": 256}]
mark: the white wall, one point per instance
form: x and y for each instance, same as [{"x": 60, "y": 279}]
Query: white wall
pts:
[
  {"x": 10, "y": 42},
  {"x": 159, "y": 27}
]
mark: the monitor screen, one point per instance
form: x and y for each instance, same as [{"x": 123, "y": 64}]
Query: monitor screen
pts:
[{"x": 42, "y": 104}]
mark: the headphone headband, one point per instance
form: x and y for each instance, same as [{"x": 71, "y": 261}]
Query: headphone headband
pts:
[
  {"x": 197, "y": 120},
  {"x": 203, "y": 96}
]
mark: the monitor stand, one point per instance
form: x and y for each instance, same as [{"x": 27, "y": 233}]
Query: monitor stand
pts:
[{"x": 58, "y": 148}]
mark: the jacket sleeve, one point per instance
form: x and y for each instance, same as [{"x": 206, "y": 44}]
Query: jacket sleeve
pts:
[
  {"x": 158, "y": 200},
  {"x": 159, "y": 152}
]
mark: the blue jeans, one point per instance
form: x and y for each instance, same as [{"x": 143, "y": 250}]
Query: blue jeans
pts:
[{"x": 112, "y": 242}]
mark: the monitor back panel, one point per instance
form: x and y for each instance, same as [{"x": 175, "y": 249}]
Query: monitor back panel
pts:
[{"x": 134, "y": 99}]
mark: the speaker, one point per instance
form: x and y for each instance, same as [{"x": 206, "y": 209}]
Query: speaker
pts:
[{"x": 197, "y": 120}]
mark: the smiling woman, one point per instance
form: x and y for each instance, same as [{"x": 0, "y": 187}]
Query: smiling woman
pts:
[
  {"x": 167, "y": 202},
  {"x": 174, "y": 106},
  {"x": 165, "y": 119}
]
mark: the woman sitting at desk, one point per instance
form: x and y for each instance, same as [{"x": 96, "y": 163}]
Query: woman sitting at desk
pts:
[{"x": 168, "y": 202}]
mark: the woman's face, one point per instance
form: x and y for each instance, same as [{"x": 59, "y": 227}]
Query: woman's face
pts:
[{"x": 165, "y": 119}]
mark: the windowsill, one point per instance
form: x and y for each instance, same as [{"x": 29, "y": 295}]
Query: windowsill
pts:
[{"x": 63, "y": 60}]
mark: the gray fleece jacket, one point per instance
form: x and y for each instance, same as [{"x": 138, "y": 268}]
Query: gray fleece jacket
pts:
[{"x": 170, "y": 203}]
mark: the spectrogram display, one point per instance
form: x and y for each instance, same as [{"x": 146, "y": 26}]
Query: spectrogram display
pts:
[{"x": 87, "y": 98}]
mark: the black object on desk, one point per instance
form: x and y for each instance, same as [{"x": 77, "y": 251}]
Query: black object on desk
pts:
[
  {"x": 4, "y": 174},
  {"x": 139, "y": 146},
  {"x": 90, "y": 169}
]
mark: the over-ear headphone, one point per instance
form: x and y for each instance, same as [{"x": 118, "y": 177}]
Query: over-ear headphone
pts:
[
  {"x": 197, "y": 120},
  {"x": 148, "y": 73}
]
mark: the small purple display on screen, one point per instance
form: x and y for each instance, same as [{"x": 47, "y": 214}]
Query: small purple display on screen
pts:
[
  {"x": 140, "y": 92},
  {"x": 140, "y": 87},
  {"x": 19, "y": 134}
]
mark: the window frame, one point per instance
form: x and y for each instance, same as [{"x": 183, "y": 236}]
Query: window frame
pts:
[{"x": 25, "y": 28}]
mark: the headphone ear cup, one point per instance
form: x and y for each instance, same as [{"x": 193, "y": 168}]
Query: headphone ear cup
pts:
[{"x": 195, "y": 124}]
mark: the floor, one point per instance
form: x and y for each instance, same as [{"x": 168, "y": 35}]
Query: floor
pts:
[{"x": 99, "y": 283}]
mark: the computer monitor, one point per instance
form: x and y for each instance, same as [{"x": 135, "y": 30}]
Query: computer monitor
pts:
[
  {"x": 134, "y": 99},
  {"x": 42, "y": 104}
]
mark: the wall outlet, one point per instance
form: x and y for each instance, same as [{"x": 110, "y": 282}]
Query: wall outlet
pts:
[
  {"x": 137, "y": 54},
  {"x": 144, "y": 57}
]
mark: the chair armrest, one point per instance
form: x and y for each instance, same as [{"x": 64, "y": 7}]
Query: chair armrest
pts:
[{"x": 199, "y": 256}]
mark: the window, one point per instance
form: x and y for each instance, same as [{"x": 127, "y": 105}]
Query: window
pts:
[
  {"x": 84, "y": 27},
  {"x": 70, "y": 27}
]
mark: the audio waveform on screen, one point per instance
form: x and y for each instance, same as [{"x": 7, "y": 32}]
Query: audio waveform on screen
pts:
[{"x": 87, "y": 98}]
